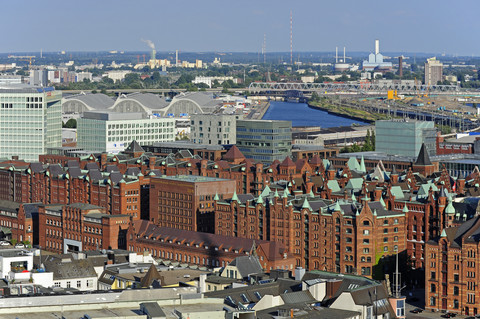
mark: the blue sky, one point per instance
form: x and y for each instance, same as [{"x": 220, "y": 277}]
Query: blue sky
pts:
[{"x": 225, "y": 25}]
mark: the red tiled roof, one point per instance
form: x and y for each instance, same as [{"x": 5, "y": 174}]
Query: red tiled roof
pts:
[{"x": 233, "y": 154}]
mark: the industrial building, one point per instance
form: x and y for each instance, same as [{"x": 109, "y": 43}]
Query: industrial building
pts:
[
  {"x": 113, "y": 132},
  {"x": 264, "y": 140},
  {"x": 183, "y": 104},
  {"x": 405, "y": 137},
  {"x": 30, "y": 121},
  {"x": 375, "y": 61}
]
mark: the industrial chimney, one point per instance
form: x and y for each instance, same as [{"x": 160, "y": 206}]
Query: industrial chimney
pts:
[{"x": 377, "y": 46}]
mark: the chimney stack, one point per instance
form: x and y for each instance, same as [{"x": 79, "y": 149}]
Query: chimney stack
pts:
[{"x": 377, "y": 46}]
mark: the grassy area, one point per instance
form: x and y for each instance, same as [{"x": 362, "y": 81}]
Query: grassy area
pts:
[{"x": 349, "y": 111}]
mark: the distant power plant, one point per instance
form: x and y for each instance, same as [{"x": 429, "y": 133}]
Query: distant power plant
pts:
[{"x": 375, "y": 61}]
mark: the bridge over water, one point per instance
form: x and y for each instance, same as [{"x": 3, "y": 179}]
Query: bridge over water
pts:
[{"x": 352, "y": 88}]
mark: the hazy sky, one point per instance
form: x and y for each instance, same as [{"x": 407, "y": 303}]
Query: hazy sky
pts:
[{"x": 225, "y": 25}]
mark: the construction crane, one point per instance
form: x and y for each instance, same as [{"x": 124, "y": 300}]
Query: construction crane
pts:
[{"x": 26, "y": 58}]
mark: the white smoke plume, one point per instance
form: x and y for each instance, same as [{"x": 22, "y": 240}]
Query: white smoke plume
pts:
[{"x": 149, "y": 43}]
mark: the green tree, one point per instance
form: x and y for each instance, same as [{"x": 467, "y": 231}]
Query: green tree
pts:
[{"x": 71, "y": 123}]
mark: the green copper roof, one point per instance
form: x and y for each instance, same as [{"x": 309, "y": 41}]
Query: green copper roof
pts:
[
  {"x": 260, "y": 199},
  {"x": 363, "y": 169},
  {"x": 450, "y": 209},
  {"x": 285, "y": 193},
  {"x": 216, "y": 198},
  {"x": 382, "y": 202},
  {"x": 405, "y": 209},
  {"x": 235, "y": 197},
  {"x": 333, "y": 185},
  {"x": 266, "y": 191},
  {"x": 337, "y": 207},
  {"x": 444, "y": 233},
  {"x": 397, "y": 192},
  {"x": 276, "y": 193},
  {"x": 306, "y": 204},
  {"x": 353, "y": 164},
  {"x": 311, "y": 193}
]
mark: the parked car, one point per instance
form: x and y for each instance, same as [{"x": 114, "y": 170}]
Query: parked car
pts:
[
  {"x": 19, "y": 245},
  {"x": 4, "y": 243},
  {"x": 417, "y": 310}
]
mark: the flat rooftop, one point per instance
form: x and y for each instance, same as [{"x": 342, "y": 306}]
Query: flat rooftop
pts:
[{"x": 191, "y": 178}]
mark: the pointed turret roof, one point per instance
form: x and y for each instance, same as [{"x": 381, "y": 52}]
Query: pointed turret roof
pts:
[
  {"x": 450, "y": 209},
  {"x": 233, "y": 154},
  {"x": 266, "y": 191},
  {"x": 151, "y": 275},
  {"x": 216, "y": 198},
  {"x": 444, "y": 233},
  {"x": 423, "y": 159},
  {"x": 316, "y": 160},
  {"x": 260, "y": 199},
  {"x": 276, "y": 193},
  {"x": 405, "y": 209},
  {"x": 134, "y": 147},
  {"x": 337, "y": 207},
  {"x": 311, "y": 193},
  {"x": 362, "y": 165},
  {"x": 235, "y": 197},
  {"x": 306, "y": 204},
  {"x": 287, "y": 162},
  {"x": 382, "y": 202}
]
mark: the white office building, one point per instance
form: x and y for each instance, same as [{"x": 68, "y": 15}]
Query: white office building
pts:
[
  {"x": 112, "y": 132},
  {"x": 30, "y": 121}
]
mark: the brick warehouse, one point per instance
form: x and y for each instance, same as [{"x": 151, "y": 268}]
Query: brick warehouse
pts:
[
  {"x": 202, "y": 249},
  {"x": 343, "y": 236},
  {"x": 78, "y": 227},
  {"x": 452, "y": 261},
  {"x": 181, "y": 201}
]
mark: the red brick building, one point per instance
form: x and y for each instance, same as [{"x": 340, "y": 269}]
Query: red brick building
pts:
[
  {"x": 202, "y": 249},
  {"x": 181, "y": 201},
  {"x": 17, "y": 220},
  {"x": 452, "y": 265},
  {"x": 343, "y": 236},
  {"x": 79, "y": 227}
]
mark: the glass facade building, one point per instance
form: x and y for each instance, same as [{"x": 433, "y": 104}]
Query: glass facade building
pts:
[
  {"x": 112, "y": 132},
  {"x": 405, "y": 137},
  {"x": 264, "y": 140},
  {"x": 30, "y": 121}
]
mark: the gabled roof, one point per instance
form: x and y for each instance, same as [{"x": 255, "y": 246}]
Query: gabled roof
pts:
[
  {"x": 152, "y": 274},
  {"x": 287, "y": 162},
  {"x": 134, "y": 147},
  {"x": 247, "y": 265},
  {"x": 233, "y": 154},
  {"x": 423, "y": 159}
]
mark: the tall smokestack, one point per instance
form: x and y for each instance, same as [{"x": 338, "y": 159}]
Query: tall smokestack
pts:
[
  {"x": 154, "y": 53},
  {"x": 336, "y": 54},
  {"x": 176, "y": 57},
  {"x": 377, "y": 46},
  {"x": 344, "y": 55},
  {"x": 400, "y": 66}
]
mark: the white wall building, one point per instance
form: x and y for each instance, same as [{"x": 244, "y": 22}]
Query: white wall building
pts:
[{"x": 112, "y": 132}]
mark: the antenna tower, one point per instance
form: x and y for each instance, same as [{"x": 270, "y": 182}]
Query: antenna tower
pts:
[
  {"x": 291, "y": 38},
  {"x": 264, "y": 48}
]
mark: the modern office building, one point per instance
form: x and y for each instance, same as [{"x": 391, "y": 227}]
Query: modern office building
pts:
[
  {"x": 264, "y": 140},
  {"x": 213, "y": 129},
  {"x": 112, "y": 132},
  {"x": 405, "y": 137},
  {"x": 30, "y": 121},
  {"x": 433, "y": 71}
]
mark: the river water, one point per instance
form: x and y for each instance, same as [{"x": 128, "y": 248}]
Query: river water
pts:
[{"x": 301, "y": 115}]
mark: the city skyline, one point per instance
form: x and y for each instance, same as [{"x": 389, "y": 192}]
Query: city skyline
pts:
[{"x": 238, "y": 27}]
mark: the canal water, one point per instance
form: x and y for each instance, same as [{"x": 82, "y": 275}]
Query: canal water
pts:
[{"x": 301, "y": 115}]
